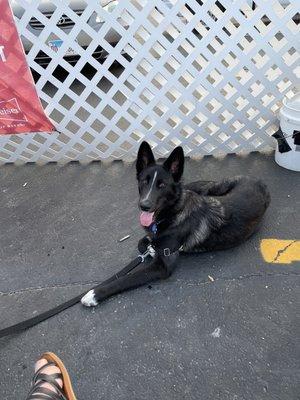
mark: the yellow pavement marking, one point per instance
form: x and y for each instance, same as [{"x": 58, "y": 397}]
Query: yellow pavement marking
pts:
[{"x": 280, "y": 251}]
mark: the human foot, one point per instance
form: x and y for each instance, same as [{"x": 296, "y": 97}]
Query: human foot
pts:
[
  {"x": 51, "y": 380},
  {"x": 47, "y": 382}
]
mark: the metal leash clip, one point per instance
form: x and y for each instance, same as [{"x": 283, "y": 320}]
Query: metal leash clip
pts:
[
  {"x": 151, "y": 251},
  {"x": 144, "y": 256}
]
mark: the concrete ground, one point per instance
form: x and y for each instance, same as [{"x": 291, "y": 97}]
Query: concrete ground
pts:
[{"x": 185, "y": 338}]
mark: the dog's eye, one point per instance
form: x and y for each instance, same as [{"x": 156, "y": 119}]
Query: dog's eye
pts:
[{"x": 161, "y": 185}]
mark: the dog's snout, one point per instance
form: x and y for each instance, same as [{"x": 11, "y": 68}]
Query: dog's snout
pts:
[{"x": 145, "y": 205}]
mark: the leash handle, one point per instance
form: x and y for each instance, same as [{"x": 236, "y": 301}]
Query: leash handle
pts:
[{"x": 20, "y": 326}]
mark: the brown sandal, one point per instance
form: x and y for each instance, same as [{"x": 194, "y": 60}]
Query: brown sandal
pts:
[{"x": 42, "y": 393}]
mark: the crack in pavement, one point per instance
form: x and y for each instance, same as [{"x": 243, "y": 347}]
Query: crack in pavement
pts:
[
  {"x": 58, "y": 286},
  {"x": 170, "y": 281},
  {"x": 237, "y": 278},
  {"x": 283, "y": 250}
]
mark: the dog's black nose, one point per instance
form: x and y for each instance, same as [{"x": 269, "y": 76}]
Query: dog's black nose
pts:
[{"x": 145, "y": 205}]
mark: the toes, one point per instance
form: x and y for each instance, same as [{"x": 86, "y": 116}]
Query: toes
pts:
[
  {"x": 89, "y": 300},
  {"x": 40, "y": 363}
]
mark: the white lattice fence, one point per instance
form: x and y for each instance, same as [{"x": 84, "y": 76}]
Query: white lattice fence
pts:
[{"x": 209, "y": 75}]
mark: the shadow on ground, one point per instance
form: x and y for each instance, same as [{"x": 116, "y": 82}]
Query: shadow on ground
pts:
[{"x": 185, "y": 338}]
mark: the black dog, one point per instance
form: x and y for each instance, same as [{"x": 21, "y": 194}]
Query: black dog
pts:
[{"x": 200, "y": 216}]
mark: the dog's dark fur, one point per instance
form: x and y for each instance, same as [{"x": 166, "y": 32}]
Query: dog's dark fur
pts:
[{"x": 196, "y": 217}]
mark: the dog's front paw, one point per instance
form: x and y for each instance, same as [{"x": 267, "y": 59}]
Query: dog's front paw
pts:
[{"x": 89, "y": 300}]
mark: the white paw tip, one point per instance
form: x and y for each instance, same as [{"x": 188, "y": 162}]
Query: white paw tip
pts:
[{"x": 89, "y": 300}]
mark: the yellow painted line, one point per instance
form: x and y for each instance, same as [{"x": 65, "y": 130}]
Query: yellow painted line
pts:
[{"x": 280, "y": 251}]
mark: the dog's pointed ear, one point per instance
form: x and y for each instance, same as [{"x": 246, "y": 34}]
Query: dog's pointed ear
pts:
[
  {"x": 175, "y": 163},
  {"x": 145, "y": 157}
]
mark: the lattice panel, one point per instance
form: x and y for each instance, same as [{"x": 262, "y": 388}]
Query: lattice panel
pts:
[{"x": 209, "y": 75}]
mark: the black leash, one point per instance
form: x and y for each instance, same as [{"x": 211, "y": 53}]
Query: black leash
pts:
[{"x": 21, "y": 326}]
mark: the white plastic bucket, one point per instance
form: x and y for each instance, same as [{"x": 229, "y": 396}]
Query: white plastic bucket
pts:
[{"x": 289, "y": 116}]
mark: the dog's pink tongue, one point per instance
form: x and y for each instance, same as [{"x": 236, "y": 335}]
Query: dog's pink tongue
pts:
[{"x": 146, "y": 218}]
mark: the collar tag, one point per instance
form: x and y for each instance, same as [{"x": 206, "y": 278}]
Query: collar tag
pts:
[{"x": 153, "y": 228}]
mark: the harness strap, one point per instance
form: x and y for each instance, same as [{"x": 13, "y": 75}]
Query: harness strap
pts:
[
  {"x": 21, "y": 326},
  {"x": 166, "y": 252}
]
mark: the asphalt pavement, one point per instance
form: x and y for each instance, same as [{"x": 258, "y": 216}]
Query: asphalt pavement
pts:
[{"x": 224, "y": 326}]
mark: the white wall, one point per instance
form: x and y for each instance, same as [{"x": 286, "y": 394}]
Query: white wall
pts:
[{"x": 205, "y": 76}]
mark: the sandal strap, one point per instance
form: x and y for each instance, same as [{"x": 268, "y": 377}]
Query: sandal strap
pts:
[
  {"x": 49, "y": 378},
  {"x": 45, "y": 394},
  {"x": 49, "y": 364},
  {"x": 39, "y": 392}
]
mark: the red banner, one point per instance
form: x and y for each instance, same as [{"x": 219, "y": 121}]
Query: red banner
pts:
[{"x": 20, "y": 108}]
